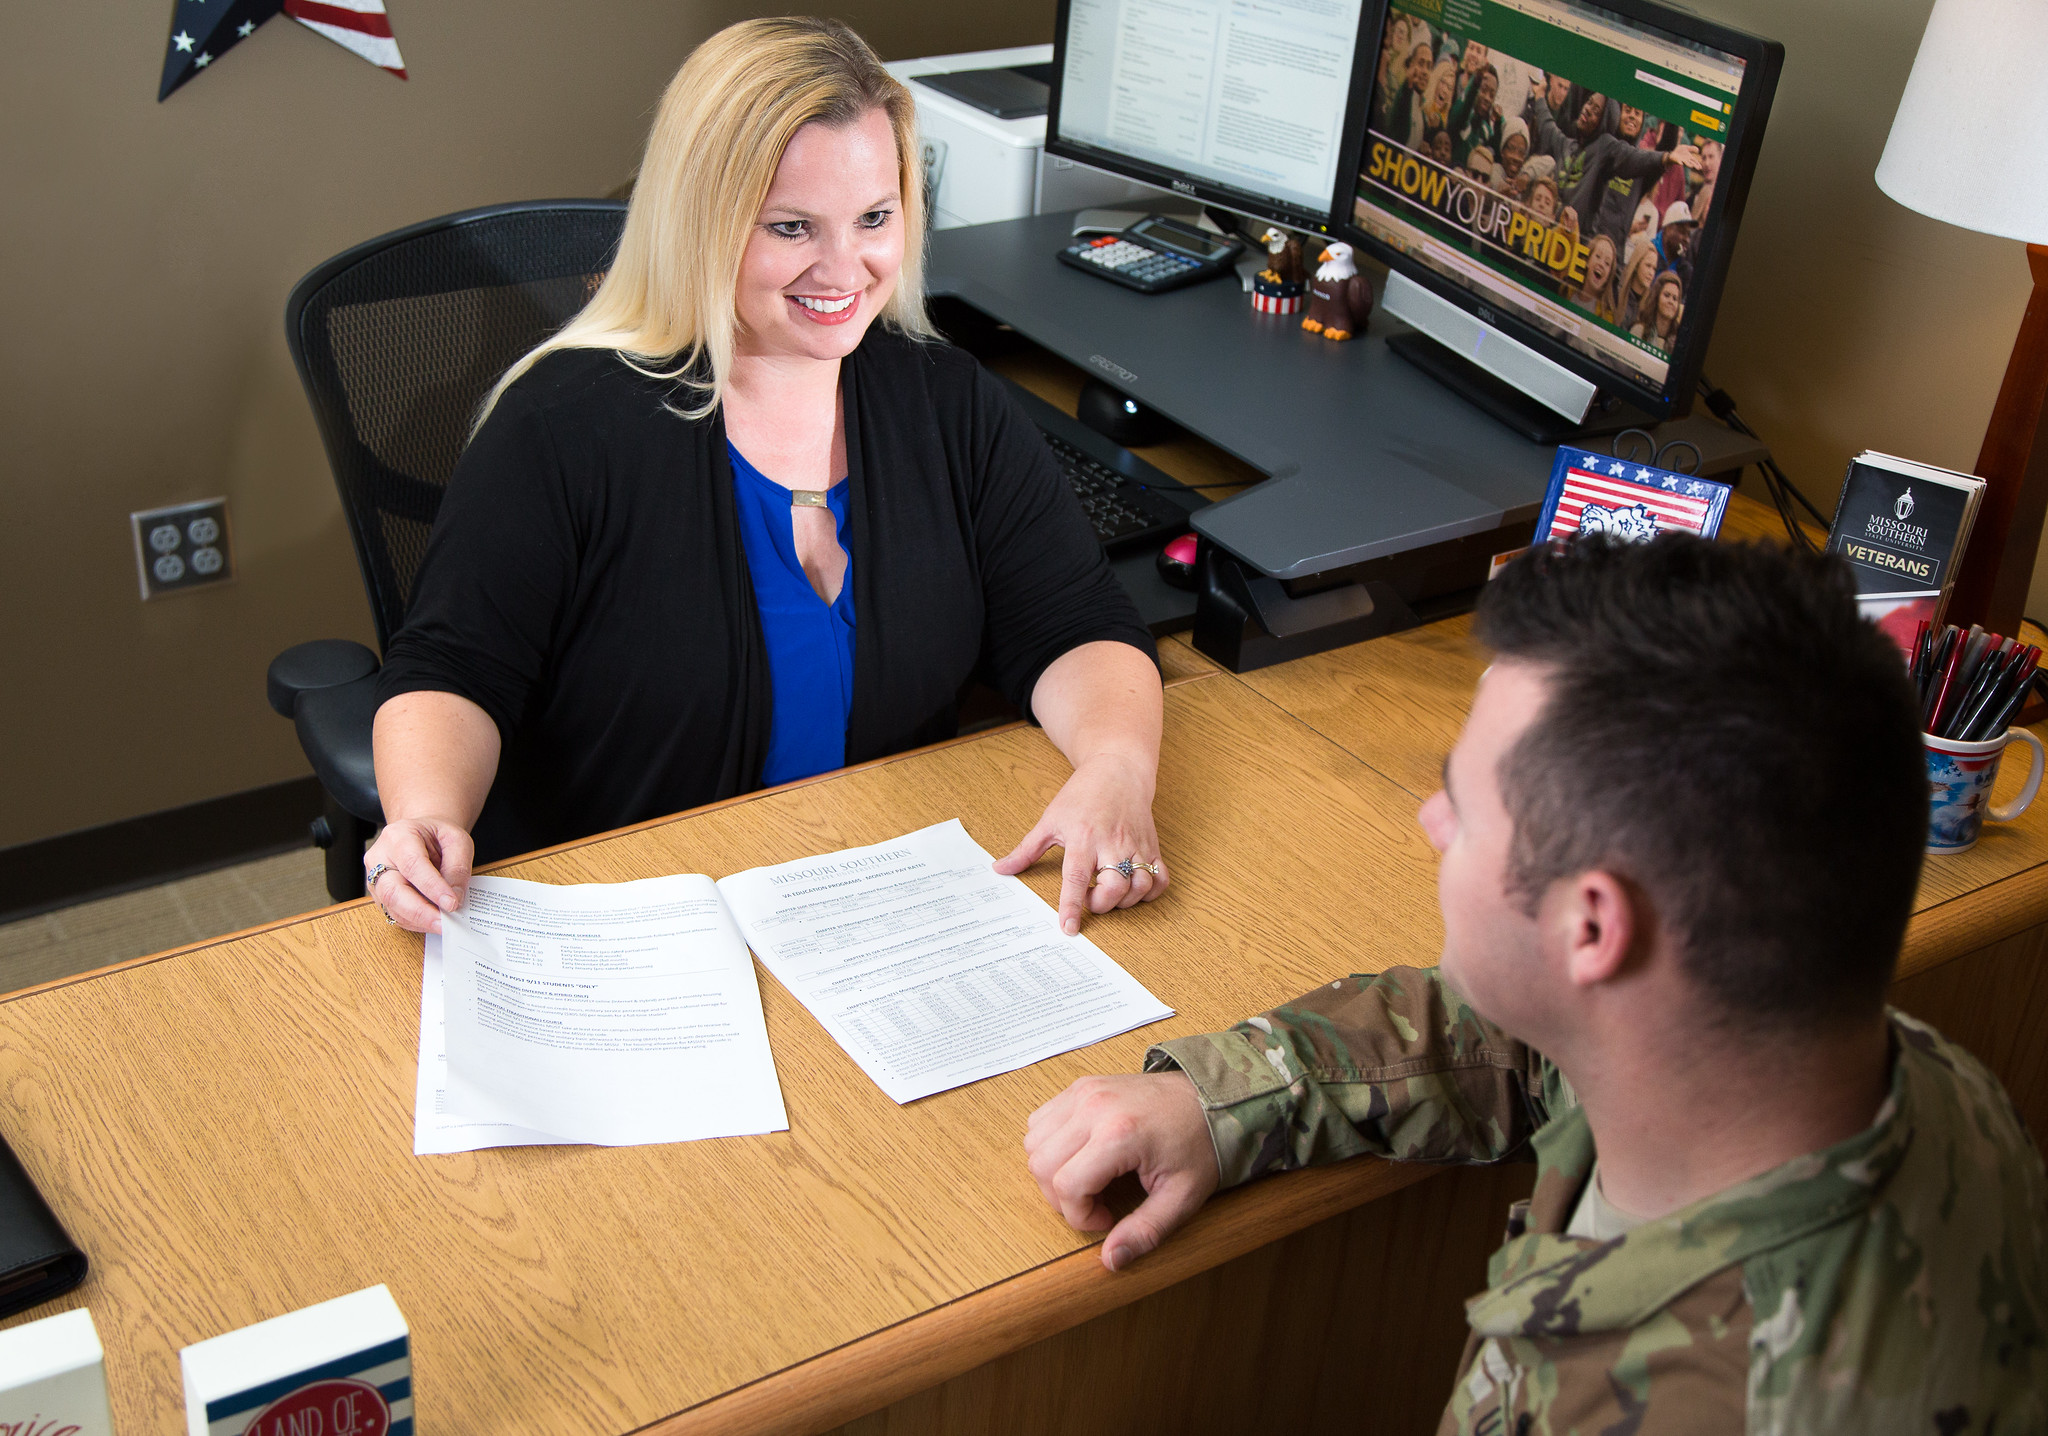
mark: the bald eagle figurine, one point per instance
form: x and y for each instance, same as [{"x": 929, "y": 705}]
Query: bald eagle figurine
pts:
[
  {"x": 1284, "y": 265},
  {"x": 1339, "y": 297}
]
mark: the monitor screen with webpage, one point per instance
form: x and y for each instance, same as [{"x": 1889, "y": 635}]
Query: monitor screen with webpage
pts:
[
  {"x": 1240, "y": 103},
  {"x": 1566, "y": 172}
]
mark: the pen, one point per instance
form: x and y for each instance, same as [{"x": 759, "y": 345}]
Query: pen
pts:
[
  {"x": 1983, "y": 668},
  {"x": 1937, "y": 707},
  {"x": 2018, "y": 699},
  {"x": 1991, "y": 669},
  {"x": 1973, "y": 650},
  {"x": 1943, "y": 654},
  {"x": 1923, "y": 646},
  {"x": 1949, "y": 636},
  {"x": 1939, "y": 649},
  {"x": 2004, "y": 663},
  {"x": 1987, "y": 695},
  {"x": 1993, "y": 719}
]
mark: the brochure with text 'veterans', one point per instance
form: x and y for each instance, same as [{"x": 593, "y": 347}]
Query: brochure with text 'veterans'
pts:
[{"x": 1902, "y": 526}]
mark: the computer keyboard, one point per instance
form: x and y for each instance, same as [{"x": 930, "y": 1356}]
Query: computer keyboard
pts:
[
  {"x": 1129, "y": 502},
  {"x": 1122, "y": 512}
]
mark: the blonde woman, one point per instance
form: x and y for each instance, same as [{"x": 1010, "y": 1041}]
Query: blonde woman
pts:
[
  {"x": 1635, "y": 286},
  {"x": 1596, "y": 294},
  {"x": 744, "y": 519},
  {"x": 1443, "y": 86}
]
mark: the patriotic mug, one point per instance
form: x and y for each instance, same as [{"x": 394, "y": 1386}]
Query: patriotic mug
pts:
[{"x": 1959, "y": 779}]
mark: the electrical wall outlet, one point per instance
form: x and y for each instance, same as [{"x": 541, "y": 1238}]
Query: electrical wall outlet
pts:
[{"x": 182, "y": 547}]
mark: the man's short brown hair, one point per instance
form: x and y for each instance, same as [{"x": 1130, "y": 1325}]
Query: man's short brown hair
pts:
[{"x": 1724, "y": 731}]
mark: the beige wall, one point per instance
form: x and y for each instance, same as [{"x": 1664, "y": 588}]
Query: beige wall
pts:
[
  {"x": 149, "y": 249},
  {"x": 1849, "y": 321}
]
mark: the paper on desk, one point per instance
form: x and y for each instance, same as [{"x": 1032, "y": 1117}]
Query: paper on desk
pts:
[
  {"x": 435, "y": 1129},
  {"x": 613, "y": 1013},
  {"x": 928, "y": 968}
]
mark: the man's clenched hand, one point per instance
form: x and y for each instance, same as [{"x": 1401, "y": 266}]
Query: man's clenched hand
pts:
[{"x": 1149, "y": 1124}]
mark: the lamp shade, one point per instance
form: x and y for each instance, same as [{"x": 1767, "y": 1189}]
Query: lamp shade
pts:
[{"x": 1965, "y": 145}]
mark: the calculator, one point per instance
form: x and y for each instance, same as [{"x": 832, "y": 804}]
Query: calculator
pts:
[{"x": 1154, "y": 254}]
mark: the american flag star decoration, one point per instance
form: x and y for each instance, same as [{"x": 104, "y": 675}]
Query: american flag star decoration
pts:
[{"x": 204, "y": 30}]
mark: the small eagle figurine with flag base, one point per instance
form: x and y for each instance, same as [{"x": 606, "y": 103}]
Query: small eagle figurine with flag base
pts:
[
  {"x": 1285, "y": 266},
  {"x": 1339, "y": 297},
  {"x": 204, "y": 30},
  {"x": 1277, "y": 289}
]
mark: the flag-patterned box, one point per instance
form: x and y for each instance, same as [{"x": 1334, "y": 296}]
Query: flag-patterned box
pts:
[
  {"x": 341, "y": 1368},
  {"x": 1599, "y": 492},
  {"x": 53, "y": 1378}
]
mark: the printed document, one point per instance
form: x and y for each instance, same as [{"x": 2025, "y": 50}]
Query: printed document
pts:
[
  {"x": 435, "y": 1127},
  {"x": 610, "y": 1013},
  {"x": 930, "y": 969},
  {"x": 623, "y": 1013}
]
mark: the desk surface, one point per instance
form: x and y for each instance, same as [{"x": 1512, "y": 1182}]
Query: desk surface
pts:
[{"x": 227, "y": 1129}]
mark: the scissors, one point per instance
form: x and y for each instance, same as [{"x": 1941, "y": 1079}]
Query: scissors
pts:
[{"x": 1642, "y": 449}]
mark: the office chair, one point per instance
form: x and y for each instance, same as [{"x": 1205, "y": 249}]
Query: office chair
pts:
[{"x": 397, "y": 341}]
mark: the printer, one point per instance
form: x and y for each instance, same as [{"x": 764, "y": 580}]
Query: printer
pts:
[{"x": 982, "y": 118}]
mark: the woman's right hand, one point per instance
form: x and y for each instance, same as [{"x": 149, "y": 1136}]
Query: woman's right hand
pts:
[
  {"x": 425, "y": 864},
  {"x": 436, "y": 755}
]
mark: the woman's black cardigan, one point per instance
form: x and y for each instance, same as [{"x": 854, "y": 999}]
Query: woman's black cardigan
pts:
[{"x": 587, "y": 587}]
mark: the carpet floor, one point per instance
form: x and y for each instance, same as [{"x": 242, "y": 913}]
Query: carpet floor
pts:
[{"x": 78, "y": 939}]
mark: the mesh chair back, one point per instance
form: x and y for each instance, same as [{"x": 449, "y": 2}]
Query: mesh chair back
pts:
[{"x": 398, "y": 340}]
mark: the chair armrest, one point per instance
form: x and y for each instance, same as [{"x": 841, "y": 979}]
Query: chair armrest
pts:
[
  {"x": 305, "y": 667},
  {"x": 334, "y": 726}
]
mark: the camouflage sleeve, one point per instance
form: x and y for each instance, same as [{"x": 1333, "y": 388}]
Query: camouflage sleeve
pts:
[{"x": 1393, "y": 1063}]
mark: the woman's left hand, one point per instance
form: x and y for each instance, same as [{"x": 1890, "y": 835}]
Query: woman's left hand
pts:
[{"x": 1102, "y": 816}]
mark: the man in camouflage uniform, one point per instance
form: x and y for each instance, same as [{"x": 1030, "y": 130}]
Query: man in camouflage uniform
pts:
[{"x": 1680, "y": 837}]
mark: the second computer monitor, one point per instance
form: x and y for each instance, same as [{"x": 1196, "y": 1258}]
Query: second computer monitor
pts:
[
  {"x": 1239, "y": 103},
  {"x": 1570, "y": 174}
]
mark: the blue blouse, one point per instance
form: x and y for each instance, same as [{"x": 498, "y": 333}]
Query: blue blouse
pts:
[{"x": 810, "y": 642}]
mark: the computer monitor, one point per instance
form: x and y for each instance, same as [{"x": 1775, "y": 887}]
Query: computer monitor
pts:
[
  {"x": 1237, "y": 103},
  {"x": 1557, "y": 187}
]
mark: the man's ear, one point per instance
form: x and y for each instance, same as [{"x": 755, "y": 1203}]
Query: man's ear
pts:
[{"x": 1602, "y": 916}]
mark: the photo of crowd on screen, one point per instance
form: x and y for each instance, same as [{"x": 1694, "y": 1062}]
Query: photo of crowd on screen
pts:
[{"x": 1629, "y": 189}]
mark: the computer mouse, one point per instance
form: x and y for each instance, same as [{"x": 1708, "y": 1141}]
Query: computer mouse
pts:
[
  {"x": 1119, "y": 417},
  {"x": 1176, "y": 562}
]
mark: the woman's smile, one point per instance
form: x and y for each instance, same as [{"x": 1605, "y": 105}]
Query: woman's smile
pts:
[{"x": 826, "y": 309}]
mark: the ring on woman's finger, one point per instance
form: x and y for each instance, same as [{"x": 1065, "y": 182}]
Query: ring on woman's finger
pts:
[
  {"x": 1129, "y": 867},
  {"x": 370, "y": 887}
]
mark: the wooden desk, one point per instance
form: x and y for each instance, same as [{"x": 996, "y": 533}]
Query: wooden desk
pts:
[{"x": 227, "y": 1129}]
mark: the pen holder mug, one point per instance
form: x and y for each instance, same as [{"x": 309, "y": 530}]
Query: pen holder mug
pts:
[{"x": 1959, "y": 779}]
